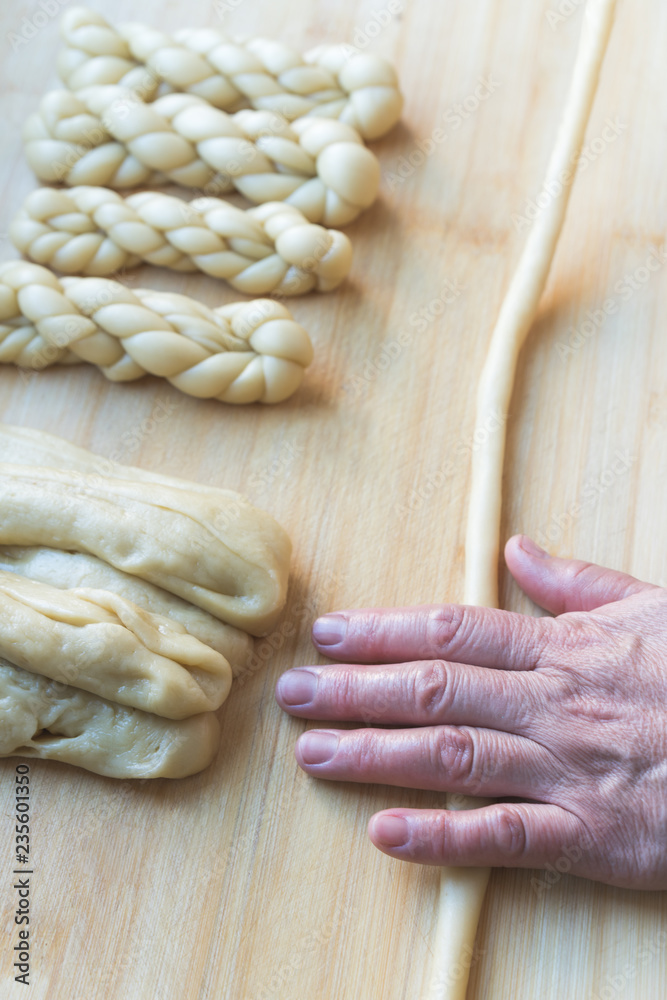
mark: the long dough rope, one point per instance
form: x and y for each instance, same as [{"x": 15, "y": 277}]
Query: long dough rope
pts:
[
  {"x": 462, "y": 890},
  {"x": 93, "y": 231},
  {"x": 331, "y": 81},
  {"x": 244, "y": 352},
  {"x": 107, "y": 136}
]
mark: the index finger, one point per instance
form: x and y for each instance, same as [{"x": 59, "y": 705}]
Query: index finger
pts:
[{"x": 460, "y": 633}]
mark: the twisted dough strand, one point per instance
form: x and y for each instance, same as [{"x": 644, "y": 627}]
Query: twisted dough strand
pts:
[
  {"x": 331, "y": 81},
  {"x": 245, "y": 352},
  {"x": 107, "y": 136},
  {"x": 93, "y": 231}
]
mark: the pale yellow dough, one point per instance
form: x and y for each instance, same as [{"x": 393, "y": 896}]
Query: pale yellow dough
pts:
[
  {"x": 244, "y": 352},
  {"x": 94, "y": 231},
  {"x": 205, "y": 545},
  {"x": 39, "y": 718},
  {"x": 73, "y": 570},
  {"x": 107, "y": 136},
  {"x": 104, "y": 644},
  {"x": 462, "y": 890},
  {"x": 333, "y": 81}
]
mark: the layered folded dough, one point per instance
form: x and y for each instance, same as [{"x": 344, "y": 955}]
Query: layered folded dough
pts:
[
  {"x": 122, "y": 596},
  {"x": 72, "y": 570},
  {"x": 41, "y": 719},
  {"x": 104, "y": 644},
  {"x": 206, "y": 545}
]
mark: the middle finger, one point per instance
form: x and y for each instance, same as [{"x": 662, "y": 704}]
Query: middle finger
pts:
[{"x": 419, "y": 693}]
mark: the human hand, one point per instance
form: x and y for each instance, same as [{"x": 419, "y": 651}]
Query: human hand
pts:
[{"x": 565, "y": 716}]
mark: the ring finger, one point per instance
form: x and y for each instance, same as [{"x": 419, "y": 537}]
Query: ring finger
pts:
[{"x": 441, "y": 758}]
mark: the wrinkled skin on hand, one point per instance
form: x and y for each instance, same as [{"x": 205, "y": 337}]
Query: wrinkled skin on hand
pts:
[{"x": 564, "y": 718}]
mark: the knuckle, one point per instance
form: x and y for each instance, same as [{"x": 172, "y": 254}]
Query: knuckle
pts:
[
  {"x": 509, "y": 831},
  {"x": 432, "y": 689},
  {"x": 426, "y": 840},
  {"x": 533, "y": 649},
  {"x": 340, "y": 691},
  {"x": 573, "y": 631},
  {"x": 579, "y": 568},
  {"x": 362, "y": 751},
  {"x": 438, "y": 842},
  {"x": 558, "y": 641},
  {"x": 448, "y": 627},
  {"x": 585, "y": 575},
  {"x": 366, "y": 633},
  {"x": 456, "y": 753},
  {"x": 588, "y": 575},
  {"x": 585, "y": 706}
]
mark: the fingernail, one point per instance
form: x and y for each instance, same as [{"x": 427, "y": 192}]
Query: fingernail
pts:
[
  {"x": 317, "y": 747},
  {"x": 392, "y": 831},
  {"x": 329, "y": 630},
  {"x": 531, "y": 548},
  {"x": 297, "y": 687}
]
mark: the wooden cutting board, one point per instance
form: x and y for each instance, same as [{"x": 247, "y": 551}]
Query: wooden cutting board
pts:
[{"x": 252, "y": 881}]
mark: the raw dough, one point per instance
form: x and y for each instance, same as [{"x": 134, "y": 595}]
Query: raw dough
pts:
[
  {"x": 107, "y": 136},
  {"x": 41, "y": 719},
  {"x": 332, "y": 81},
  {"x": 244, "y": 352},
  {"x": 462, "y": 890},
  {"x": 70, "y": 570},
  {"x": 206, "y": 545},
  {"x": 104, "y": 644},
  {"x": 93, "y": 231}
]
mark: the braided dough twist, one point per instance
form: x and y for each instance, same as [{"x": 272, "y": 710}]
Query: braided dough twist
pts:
[
  {"x": 244, "y": 352},
  {"x": 331, "y": 81},
  {"x": 93, "y": 231},
  {"x": 107, "y": 136}
]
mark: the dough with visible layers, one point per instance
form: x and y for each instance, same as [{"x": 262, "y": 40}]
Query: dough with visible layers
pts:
[
  {"x": 40, "y": 718},
  {"x": 209, "y": 546},
  {"x": 70, "y": 570},
  {"x": 104, "y": 644}
]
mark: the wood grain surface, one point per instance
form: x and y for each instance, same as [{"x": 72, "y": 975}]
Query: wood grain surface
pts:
[{"x": 252, "y": 881}]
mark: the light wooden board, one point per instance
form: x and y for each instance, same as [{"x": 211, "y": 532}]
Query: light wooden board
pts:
[{"x": 253, "y": 881}]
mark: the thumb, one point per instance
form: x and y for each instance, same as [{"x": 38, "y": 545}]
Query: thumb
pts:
[{"x": 561, "y": 585}]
